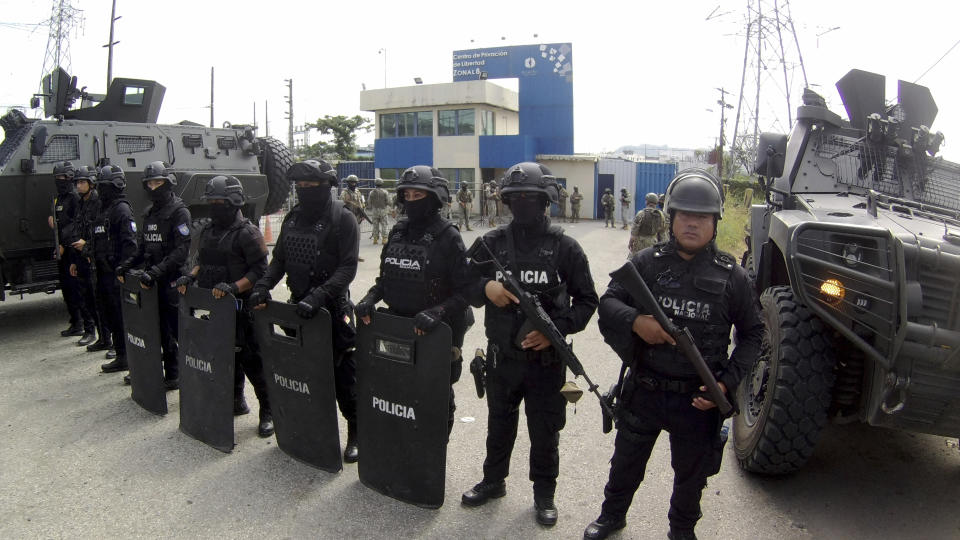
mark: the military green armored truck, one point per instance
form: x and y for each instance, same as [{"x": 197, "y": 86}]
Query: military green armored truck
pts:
[
  {"x": 118, "y": 128},
  {"x": 856, "y": 257}
]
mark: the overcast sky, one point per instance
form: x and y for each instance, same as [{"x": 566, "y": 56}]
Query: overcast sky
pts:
[{"x": 644, "y": 72}]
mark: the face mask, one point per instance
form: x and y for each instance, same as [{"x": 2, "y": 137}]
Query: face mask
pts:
[
  {"x": 527, "y": 211},
  {"x": 64, "y": 186},
  {"x": 223, "y": 214},
  {"x": 108, "y": 191},
  {"x": 162, "y": 194},
  {"x": 313, "y": 200},
  {"x": 421, "y": 209}
]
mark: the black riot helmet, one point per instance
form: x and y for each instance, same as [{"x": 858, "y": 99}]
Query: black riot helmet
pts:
[
  {"x": 529, "y": 177},
  {"x": 426, "y": 178},
  {"x": 112, "y": 174},
  {"x": 64, "y": 168},
  {"x": 312, "y": 170},
  {"x": 85, "y": 172},
  {"x": 695, "y": 190},
  {"x": 158, "y": 170},
  {"x": 224, "y": 188}
]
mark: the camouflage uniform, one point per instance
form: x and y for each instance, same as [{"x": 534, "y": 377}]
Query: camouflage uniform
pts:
[
  {"x": 575, "y": 199},
  {"x": 465, "y": 199},
  {"x": 608, "y": 202},
  {"x": 649, "y": 226},
  {"x": 377, "y": 201},
  {"x": 625, "y": 214},
  {"x": 562, "y": 204}
]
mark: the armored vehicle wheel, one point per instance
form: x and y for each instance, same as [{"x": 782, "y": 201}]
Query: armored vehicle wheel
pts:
[
  {"x": 784, "y": 400},
  {"x": 275, "y": 159}
]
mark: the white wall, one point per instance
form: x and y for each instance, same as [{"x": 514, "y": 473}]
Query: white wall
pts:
[{"x": 578, "y": 173}]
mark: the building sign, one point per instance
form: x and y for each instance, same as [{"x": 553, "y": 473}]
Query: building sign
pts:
[{"x": 552, "y": 60}]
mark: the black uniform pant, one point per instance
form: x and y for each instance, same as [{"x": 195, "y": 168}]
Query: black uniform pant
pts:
[
  {"x": 345, "y": 383},
  {"x": 111, "y": 312},
  {"x": 249, "y": 363},
  {"x": 87, "y": 276},
  {"x": 694, "y": 447},
  {"x": 71, "y": 290},
  {"x": 510, "y": 380},
  {"x": 169, "y": 300}
]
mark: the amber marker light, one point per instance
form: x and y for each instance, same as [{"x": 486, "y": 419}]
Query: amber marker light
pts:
[{"x": 833, "y": 290}]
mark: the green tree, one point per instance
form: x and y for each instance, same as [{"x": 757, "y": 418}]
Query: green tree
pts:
[
  {"x": 319, "y": 150},
  {"x": 344, "y": 130}
]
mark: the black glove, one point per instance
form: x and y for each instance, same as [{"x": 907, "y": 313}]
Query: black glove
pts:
[
  {"x": 258, "y": 296},
  {"x": 184, "y": 281},
  {"x": 226, "y": 288},
  {"x": 365, "y": 307},
  {"x": 147, "y": 279},
  {"x": 308, "y": 307},
  {"x": 122, "y": 271},
  {"x": 428, "y": 319}
]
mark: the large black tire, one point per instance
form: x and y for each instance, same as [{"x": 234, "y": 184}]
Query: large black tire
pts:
[
  {"x": 784, "y": 400},
  {"x": 275, "y": 159}
]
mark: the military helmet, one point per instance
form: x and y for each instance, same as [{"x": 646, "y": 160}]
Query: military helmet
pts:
[
  {"x": 695, "y": 190},
  {"x": 378, "y": 182},
  {"x": 652, "y": 198},
  {"x": 158, "y": 170},
  {"x": 608, "y": 190},
  {"x": 64, "y": 168},
  {"x": 224, "y": 188},
  {"x": 312, "y": 170},
  {"x": 112, "y": 174},
  {"x": 426, "y": 178},
  {"x": 85, "y": 172},
  {"x": 352, "y": 179},
  {"x": 530, "y": 177}
]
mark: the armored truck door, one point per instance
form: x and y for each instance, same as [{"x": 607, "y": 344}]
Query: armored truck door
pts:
[
  {"x": 403, "y": 386},
  {"x": 141, "y": 324},
  {"x": 208, "y": 329},
  {"x": 298, "y": 365}
]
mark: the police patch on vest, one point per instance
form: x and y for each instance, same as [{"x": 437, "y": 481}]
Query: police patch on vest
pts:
[
  {"x": 532, "y": 277},
  {"x": 199, "y": 365},
  {"x": 133, "y": 226},
  {"x": 153, "y": 237},
  {"x": 395, "y": 409},
  {"x": 405, "y": 264},
  {"x": 183, "y": 229},
  {"x": 685, "y": 308},
  {"x": 99, "y": 229}
]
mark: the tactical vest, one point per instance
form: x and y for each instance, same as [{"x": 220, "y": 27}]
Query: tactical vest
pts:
[
  {"x": 219, "y": 256},
  {"x": 537, "y": 273},
  {"x": 65, "y": 206},
  {"x": 159, "y": 230},
  {"x": 104, "y": 229},
  {"x": 412, "y": 269},
  {"x": 651, "y": 219},
  {"x": 694, "y": 299},
  {"x": 311, "y": 250},
  {"x": 377, "y": 199}
]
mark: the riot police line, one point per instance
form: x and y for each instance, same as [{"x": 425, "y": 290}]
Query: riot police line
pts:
[{"x": 390, "y": 361}]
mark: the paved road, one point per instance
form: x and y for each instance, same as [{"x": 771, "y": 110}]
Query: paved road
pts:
[{"x": 80, "y": 459}]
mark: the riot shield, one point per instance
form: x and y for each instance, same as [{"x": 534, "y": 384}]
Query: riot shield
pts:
[
  {"x": 207, "y": 330},
  {"x": 298, "y": 365},
  {"x": 403, "y": 392},
  {"x": 141, "y": 324}
]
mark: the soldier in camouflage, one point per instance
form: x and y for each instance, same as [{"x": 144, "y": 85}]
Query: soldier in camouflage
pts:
[
  {"x": 377, "y": 201},
  {"x": 465, "y": 200},
  {"x": 649, "y": 225},
  {"x": 576, "y": 198}
]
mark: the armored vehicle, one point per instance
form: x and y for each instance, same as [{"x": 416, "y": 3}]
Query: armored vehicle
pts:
[
  {"x": 118, "y": 128},
  {"x": 856, "y": 256}
]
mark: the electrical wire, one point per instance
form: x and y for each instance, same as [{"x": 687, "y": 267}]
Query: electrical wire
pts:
[{"x": 937, "y": 62}]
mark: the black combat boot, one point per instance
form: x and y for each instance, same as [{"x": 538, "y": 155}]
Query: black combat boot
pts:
[
  {"x": 87, "y": 339},
  {"x": 171, "y": 384},
  {"x": 102, "y": 344},
  {"x": 111, "y": 353},
  {"x": 240, "y": 406},
  {"x": 126, "y": 379},
  {"x": 546, "y": 510},
  {"x": 118, "y": 364},
  {"x": 483, "y": 492},
  {"x": 352, "y": 452},
  {"x": 265, "y": 429},
  {"x": 602, "y": 527},
  {"x": 681, "y": 534},
  {"x": 75, "y": 329}
]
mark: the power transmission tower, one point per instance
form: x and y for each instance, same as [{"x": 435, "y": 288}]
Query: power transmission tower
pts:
[
  {"x": 289, "y": 97},
  {"x": 63, "y": 19},
  {"x": 772, "y": 78}
]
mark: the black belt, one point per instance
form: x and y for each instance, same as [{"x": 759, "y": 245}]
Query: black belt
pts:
[{"x": 679, "y": 386}]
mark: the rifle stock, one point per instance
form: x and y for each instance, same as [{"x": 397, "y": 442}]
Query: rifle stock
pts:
[{"x": 630, "y": 279}]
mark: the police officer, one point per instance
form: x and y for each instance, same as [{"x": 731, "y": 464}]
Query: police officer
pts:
[
  {"x": 63, "y": 219},
  {"x": 231, "y": 257},
  {"x": 163, "y": 246},
  {"x": 649, "y": 225},
  {"x": 317, "y": 250},
  {"x": 625, "y": 214},
  {"x": 607, "y": 202},
  {"x": 378, "y": 200},
  {"x": 114, "y": 240},
  {"x": 82, "y": 266},
  {"x": 576, "y": 198},
  {"x": 521, "y": 365},
  {"x": 435, "y": 293},
  {"x": 708, "y": 292},
  {"x": 465, "y": 200}
]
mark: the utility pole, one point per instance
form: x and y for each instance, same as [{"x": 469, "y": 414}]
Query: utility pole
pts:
[
  {"x": 289, "y": 97},
  {"x": 211, "y": 96},
  {"x": 722, "y": 102},
  {"x": 266, "y": 118},
  {"x": 111, "y": 43}
]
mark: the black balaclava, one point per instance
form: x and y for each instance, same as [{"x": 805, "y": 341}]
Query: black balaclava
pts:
[
  {"x": 223, "y": 214},
  {"x": 162, "y": 195},
  {"x": 528, "y": 212},
  {"x": 108, "y": 192},
  {"x": 313, "y": 200},
  {"x": 65, "y": 186},
  {"x": 422, "y": 210}
]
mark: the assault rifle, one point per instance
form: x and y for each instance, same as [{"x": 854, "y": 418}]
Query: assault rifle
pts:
[
  {"x": 538, "y": 320},
  {"x": 630, "y": 279}
]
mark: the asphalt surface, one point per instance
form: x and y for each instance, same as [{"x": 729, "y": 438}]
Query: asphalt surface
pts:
[{"x": 80, "y": 459}]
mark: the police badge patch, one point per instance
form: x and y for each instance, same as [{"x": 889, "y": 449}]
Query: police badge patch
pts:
[
  {"x": 133, "y": 226},
  {"x": 184, "y": 229}
]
